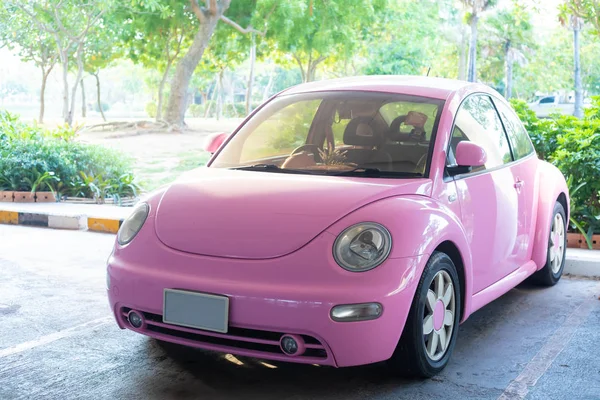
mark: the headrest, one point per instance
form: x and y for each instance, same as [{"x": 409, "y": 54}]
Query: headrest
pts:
[
  {"x": 360, "y": 132},
  {"x": 415, "y": 119}
]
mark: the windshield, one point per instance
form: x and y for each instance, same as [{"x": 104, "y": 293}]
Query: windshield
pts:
[{"x": 337, "y": 133}]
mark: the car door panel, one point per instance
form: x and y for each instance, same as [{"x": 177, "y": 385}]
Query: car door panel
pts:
[
  {"x": 488, "y": 196},
  {"x": 526, "y": 184},
  {"x": 489, "y": 207}
]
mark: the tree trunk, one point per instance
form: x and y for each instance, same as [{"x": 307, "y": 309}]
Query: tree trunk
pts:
[
  {"x": 98, "y": 99},
  {"x": 472, "y": 75},
  {"x": 161, "y": 90},
  {"x": 578, "y": 89},
  {"x": 83, "y": 101},
  {"x": 42, "y": 93},
  {"x": 251, "y": 76},
  {"x": 79, "y": 58},
  {"x": 508, "y": 56},
  {"x": 220, "y": 95},
  {"x": 185, "y": 68},
  {"x": 64, "y": 59},
  {"x": 463, "y": 55},
  {"x": 267, "y": 90},
  {"x": 212, "y": 98}
]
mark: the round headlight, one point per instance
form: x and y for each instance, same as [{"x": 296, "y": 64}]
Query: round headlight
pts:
[
  {"x": 132, "y": 225},
  {"x": 362, "y": 247}
]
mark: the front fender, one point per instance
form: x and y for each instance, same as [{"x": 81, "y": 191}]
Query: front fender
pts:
[
  {"x": 418, "y": 226},
  {"x": 552, "y": 184}
]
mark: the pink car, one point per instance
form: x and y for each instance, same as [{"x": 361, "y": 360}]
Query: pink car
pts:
[{"x": 343, "y": 223}]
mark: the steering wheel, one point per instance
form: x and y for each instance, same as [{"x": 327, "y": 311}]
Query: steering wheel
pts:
[{"x": 312, "y": 148}]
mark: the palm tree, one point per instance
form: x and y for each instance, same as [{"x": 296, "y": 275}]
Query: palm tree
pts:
[
  {"x": 570, "y": 18},
  {"x": 475, "y": 9},
  {"x": 512, "y": 32}
]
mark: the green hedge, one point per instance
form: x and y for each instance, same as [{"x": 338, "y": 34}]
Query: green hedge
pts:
[
  {"x": 32, "y": 158},
  {"x": 572, "y": 145}
]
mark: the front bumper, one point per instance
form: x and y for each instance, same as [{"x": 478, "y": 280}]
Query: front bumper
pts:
[{"x": 293, "y": 294}]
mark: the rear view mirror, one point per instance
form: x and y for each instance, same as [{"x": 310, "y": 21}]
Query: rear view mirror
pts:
[
  {"x": 214, "y": 141},
  {"x": 469, "y": 154}
]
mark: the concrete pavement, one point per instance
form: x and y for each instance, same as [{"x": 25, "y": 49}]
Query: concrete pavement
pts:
[{"x": 58, "y": 340}]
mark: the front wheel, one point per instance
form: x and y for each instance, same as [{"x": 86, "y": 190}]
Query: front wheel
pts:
[
  {"x": 431, "y": 328},
  {"x": 557, "y": 248}
]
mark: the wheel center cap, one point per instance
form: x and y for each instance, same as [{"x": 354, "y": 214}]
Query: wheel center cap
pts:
[{"x": 438, "y": 315}]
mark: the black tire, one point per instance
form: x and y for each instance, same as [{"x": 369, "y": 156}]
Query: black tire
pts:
[
  {"x": 410, "y": 357},
  {"x": 545, "y": 276}
]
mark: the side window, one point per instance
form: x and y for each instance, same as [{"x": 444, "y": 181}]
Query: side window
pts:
[
  {"x": 547, "y": 100},
  {"x": 518, "y": 136},
  {"x": 478, "y": 122}
]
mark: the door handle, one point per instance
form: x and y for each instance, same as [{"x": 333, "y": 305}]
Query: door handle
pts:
[{"x": 519, "y": 184}]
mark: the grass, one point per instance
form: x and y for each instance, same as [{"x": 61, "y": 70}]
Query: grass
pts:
[{"x": 165, "y": 168}]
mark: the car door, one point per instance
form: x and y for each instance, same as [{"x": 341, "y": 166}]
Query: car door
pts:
[
  {"x": 524, "y": 171},
  {"x": 488, "y": 199}
]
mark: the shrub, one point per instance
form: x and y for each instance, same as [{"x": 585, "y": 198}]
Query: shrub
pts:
[
  {"x": 573, "y": 146},
  {"x": 151, "y": 109},
  {"x": 105, "y": 107},
  {"x": 34, "y": 159},
  {"x": 196, "y": 110}
]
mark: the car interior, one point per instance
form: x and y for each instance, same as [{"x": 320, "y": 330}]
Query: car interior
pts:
[{"x": 370, "y": 139}]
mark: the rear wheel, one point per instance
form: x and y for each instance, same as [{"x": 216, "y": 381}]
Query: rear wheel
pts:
[
  {"x": 557, "y": 247},
  {"x": 431, "y": 328}
]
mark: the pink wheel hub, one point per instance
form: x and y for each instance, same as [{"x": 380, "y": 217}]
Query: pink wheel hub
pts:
[
  {"x": 556, "y": 241},
  {"x": 438, "y": 315}
]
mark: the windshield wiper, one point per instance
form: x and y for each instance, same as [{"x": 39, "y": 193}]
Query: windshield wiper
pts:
[
  {"x": 376, "y": 173},
  {"x": 269, "y": 168}
]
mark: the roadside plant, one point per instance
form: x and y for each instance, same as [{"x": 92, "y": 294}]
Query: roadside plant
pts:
[{"x": 38, "y": 180}]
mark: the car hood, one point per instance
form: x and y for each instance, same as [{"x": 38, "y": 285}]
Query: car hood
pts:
[{"x": 260, "y": 215}]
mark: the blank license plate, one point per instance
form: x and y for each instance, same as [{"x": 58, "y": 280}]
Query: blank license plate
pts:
[{"x": 196, "y": 310}]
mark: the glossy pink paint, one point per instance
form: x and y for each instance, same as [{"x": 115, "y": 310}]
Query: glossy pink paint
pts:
[
  {"x": 470, "y": 155},
  {"x": 256, "y": 238}
]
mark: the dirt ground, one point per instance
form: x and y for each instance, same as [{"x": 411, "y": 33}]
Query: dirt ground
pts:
[{"x": 159, "y": 157}]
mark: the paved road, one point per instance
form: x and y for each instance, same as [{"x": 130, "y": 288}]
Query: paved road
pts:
[{"x": 58, "y": 341}]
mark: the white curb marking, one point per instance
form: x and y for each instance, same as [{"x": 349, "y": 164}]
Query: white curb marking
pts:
[
  {"x": 64, "y": 222},
  {"x": 90, "y": 325},
  {"x": 539, "y": 364}
]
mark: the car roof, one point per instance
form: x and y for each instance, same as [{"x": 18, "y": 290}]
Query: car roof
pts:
[{"x": 438, "y": 88}]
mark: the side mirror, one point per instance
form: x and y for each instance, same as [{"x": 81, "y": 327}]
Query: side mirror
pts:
[
  {"x": 214, "y": 141},
  {"x": 469, "y": 154}
]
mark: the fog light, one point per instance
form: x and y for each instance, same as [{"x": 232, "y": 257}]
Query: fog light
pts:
[
  {"x": 135, "y": 319},
  {"x": 292, "y": 345},
  {"x": 356, "y": 312}
]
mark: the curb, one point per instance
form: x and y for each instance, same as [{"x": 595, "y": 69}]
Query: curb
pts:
[
  {"x": 578, "y": 265},
  {"x": 80, "y": 222}
]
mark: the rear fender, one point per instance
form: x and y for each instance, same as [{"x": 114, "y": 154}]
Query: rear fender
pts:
[{"x": 552, "y": 184}]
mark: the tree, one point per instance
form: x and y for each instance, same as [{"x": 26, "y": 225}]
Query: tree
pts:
[
  {"x": 69, "y": 23},
  {"x": 398, "y": 46},
  {"x": 313, "y": 31},
  {"x": 569, "y": 17},
  {"x": 207, "y": 18},
  {"x": 99, "y": 53},
  {"x": 475, "y": 9},
  {"x": 157, "y": 40},
  {"x": 16, "y": 32},
  {"x": 588, "y": 10},
  {"x": 573, "y": 14},
  {"x": 510, "y": 31}
]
